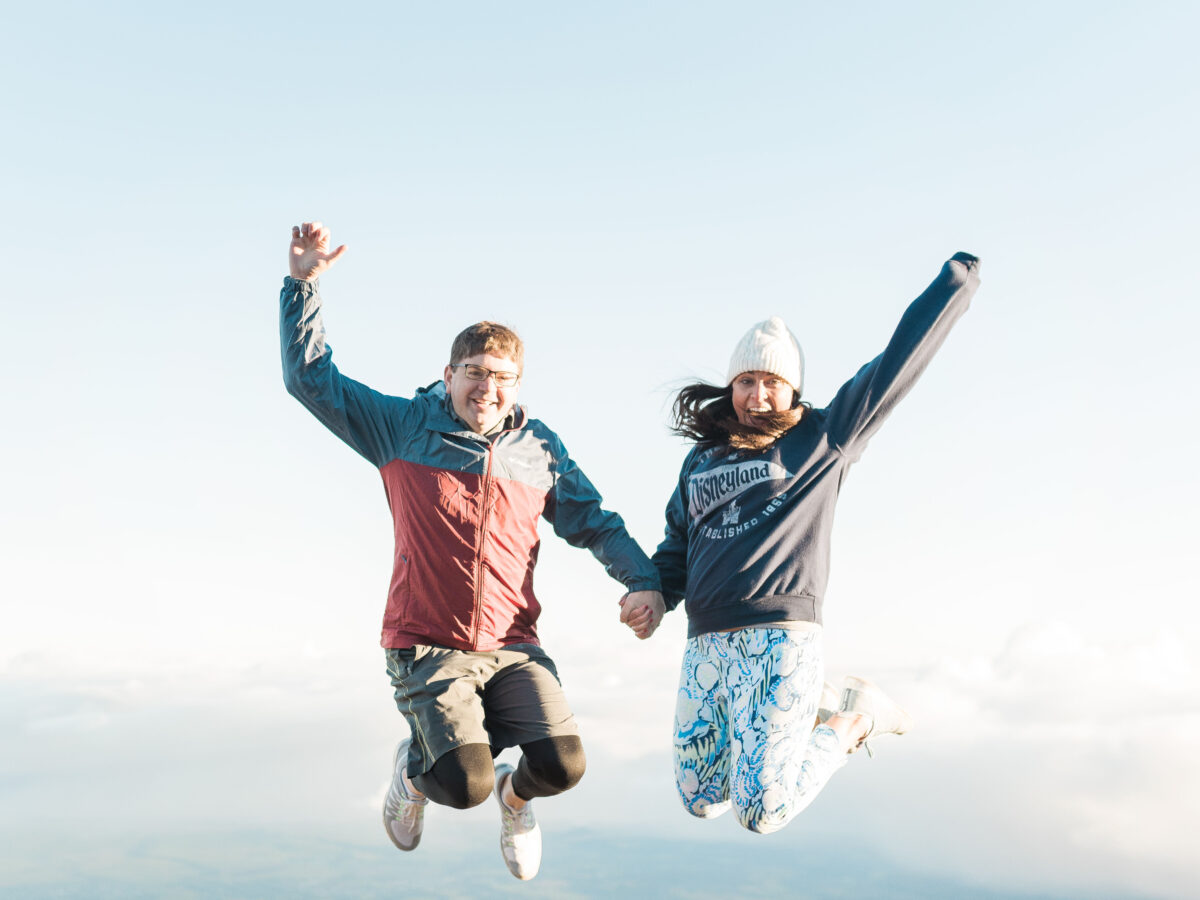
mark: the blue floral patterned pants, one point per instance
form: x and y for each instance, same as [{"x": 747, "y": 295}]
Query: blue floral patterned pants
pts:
[{"x": 744, "y": 732}]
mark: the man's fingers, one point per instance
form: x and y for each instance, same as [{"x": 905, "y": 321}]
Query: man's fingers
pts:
[
  {"x": 336, "y": 254},
  {"x": 626, "y": 609}
]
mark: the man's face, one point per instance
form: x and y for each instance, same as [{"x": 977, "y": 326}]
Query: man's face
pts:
[
  {"x": 760, "y": 392},
  {"x": 481, "y": 404}
]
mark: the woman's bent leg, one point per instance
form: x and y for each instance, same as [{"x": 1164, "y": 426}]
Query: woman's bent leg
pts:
[
  {"x": 702, "y": 730},
  {"x": 780, "y": 761}
]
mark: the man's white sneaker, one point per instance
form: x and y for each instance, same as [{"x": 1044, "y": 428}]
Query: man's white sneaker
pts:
[
  {"x": 862, "y": 697},
  {"x": 520, "y": 836},
  {"x": 403, "y": 814}
]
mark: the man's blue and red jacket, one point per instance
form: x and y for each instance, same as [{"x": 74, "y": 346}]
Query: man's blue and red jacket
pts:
[{"x": 465, "y": 507}]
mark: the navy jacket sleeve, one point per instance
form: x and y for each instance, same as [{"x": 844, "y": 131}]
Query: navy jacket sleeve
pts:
[
  {"x": 574, "y": 508},
  {"x": 358, "y": 415},
  {"x": 865, "y": 401}
]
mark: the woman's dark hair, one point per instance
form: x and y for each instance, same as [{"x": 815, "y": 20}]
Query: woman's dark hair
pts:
[{"x": 704, "y": 413}]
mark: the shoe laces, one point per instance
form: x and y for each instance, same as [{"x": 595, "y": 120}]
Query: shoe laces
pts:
[
  {"x": 404, "y": 808},
  {"x": 517, "y": 821},
  {"x": 411, "y": 813}
]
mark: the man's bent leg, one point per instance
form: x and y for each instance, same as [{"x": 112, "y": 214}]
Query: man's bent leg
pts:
[
  {"x": 549, "y": 766},
  {"x": 461, "y": 778},
  {"x": 439, "y": 693},
  {"x": 525, "y": 706},
  {"x": 523, "y": 701},
  {"x": 447, "y": 758}
]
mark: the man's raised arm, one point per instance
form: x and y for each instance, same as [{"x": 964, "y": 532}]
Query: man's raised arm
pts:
[{"x": 352, "y": 411}]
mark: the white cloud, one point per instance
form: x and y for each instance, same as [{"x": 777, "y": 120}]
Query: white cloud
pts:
[
  {"x": 1061, "y": 762},
  {"x": 71, "y": 723}
]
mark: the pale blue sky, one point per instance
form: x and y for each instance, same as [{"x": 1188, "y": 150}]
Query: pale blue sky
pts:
[{"x": 193, "y": 566}]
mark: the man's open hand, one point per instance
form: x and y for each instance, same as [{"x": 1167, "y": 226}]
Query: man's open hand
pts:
[
  {"x": 309, "y": 254},
  {"x": 642, "y": 611}
]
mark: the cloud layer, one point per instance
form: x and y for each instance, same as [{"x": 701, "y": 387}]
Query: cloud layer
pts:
[{"x": 1058, "y": 765}]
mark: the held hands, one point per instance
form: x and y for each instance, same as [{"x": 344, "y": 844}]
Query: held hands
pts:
[
  {"x": 642, "y": 611},
  {"x": 309, "y": 254}
]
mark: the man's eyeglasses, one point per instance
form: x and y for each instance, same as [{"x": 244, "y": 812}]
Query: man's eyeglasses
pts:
[{"x": 479, "y": 373}]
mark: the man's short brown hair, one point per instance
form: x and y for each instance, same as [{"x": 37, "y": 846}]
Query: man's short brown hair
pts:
[{"x": 488, "y": 337}]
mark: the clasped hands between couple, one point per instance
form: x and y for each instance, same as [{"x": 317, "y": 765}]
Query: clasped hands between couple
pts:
[{"x": 642, "y": 611}]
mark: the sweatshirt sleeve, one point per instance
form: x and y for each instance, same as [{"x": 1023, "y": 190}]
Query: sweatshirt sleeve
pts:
[
  {"x": 574, "y": 508},
  {"x": 865, "y": 401},
  {"x": 671, "y": 556},
  {"x": 352, "y": 411}
]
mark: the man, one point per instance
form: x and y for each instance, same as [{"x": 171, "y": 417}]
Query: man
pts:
[{"x": 467, "y": 475}]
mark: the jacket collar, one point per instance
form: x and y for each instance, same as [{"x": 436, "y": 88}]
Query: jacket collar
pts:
[{"x": 443, "y": 418}]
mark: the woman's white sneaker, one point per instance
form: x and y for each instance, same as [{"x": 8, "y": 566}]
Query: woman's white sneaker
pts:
[
  {"x": 520, "y": 836},
  {"x": 861, "y": 697},
  {"x": 403, "y": 814}
]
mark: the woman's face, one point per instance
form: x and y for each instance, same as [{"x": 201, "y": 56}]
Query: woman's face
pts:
[{"x": 755, "y": 393}]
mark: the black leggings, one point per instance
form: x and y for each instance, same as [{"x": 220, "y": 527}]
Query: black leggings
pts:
[{"x": 464, "y": 777}]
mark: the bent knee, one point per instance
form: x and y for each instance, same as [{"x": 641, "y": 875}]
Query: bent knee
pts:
[
  {"x": 703, "y": 808},
  {"x": 556, "y": 763},
  {"x": 755, "y": 820},
  {"x": 464, "y": 792},
  {"x": 759, "y": 825},
  {"x": 560, "y": 772},
  {"x": 472, "y": 793}
]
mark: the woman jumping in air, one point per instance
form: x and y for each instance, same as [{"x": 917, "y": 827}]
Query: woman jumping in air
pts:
[{"x": 747, "y": 544}]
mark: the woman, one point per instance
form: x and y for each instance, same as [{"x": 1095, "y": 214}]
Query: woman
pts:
[{"x": 747, "y": 544}]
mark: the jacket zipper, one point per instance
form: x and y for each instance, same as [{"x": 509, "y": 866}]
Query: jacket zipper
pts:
[{"x": 483, "y": 517}]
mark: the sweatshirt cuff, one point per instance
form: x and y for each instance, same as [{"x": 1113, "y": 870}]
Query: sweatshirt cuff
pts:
[
  {"x": 643, "y": 584},
  {"x": 299, "y": 284}
]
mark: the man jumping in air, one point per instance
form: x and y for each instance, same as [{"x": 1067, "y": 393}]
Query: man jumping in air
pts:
[{"x": 467, "y": 475}]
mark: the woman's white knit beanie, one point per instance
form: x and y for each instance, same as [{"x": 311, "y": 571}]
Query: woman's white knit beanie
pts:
[{"x": 769, "y": 347}]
